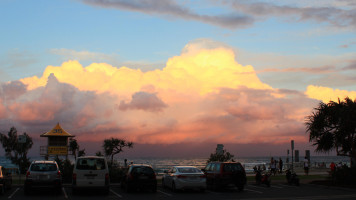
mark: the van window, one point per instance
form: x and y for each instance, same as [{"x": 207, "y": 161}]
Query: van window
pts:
[
  {"x": 208, "y": 167},
  {"x": 91, "y": 164},
  {"x": 40, "y": 167}
]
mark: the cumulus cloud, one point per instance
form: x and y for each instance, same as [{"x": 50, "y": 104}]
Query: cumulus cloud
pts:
[
  {"x": 201, "y": 95},
  {"x": 144, "y": 101},
  {"x": 327, "y": 94}
]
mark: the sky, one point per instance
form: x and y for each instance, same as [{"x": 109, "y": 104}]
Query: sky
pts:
[{"x": 176, "y": 77}]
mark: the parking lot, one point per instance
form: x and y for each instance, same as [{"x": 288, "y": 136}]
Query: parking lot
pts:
[{"x": 252, "y": 191}]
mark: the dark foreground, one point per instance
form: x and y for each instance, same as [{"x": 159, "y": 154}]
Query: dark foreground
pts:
[{"x": 252, "y": 191}]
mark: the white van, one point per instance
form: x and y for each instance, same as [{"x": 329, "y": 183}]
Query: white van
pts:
[{"x": 91, "y": 172}]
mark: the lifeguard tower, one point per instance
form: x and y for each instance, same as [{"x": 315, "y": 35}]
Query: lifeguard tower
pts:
[{"x": 57, "y": 144}]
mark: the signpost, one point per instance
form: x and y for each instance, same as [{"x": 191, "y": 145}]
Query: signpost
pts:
[{"x": 292, "y": 147}]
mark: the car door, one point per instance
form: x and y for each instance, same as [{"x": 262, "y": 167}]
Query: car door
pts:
[
  {"x": 170, "y": 176},
  {"x": 209, "y": 173}
]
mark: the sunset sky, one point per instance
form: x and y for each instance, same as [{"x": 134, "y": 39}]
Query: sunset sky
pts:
[{"x": 176, "y": 77}]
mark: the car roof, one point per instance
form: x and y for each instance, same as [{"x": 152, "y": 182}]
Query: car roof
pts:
[
  {"x": 226, "y": 162},
  {"x": 184, "y": 166},
  {"x": 90, "y": 157},
  {"x": 140, "y": 165},
  {"x": 44, "y": 161}
]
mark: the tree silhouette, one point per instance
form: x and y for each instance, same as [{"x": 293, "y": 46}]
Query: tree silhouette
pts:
[
  {"x": 73, "y": 147},
  {"x": 114, "y": 146},
  {"x": 15, "y": 151},
  {"x": 332, "y": 126},
  {"x": 221, "y": 157}
]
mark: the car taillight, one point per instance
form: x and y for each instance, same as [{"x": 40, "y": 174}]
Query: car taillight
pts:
[
  {"x": 106, "y": 179},
  {"x": 181, "y": 176},
  {"x": 203, "y": 176},
  {"x": 28, "y": 174},
  {"x": 58, "y": 174},
  {"x": 154, "y": 176},
  {"x": 74, "y": 179}
]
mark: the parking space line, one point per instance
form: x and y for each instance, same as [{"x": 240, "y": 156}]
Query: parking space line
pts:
[
  {"x": 17, "y": 189},
  {"x": 164, "y": 193},
  {"x": 65, "y": 194},
  {"x": 115, "y": 193},
  {"x": 254, "y": 191}
]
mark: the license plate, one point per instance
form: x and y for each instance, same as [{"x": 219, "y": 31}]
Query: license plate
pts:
[{"x": 43, "y": 177}]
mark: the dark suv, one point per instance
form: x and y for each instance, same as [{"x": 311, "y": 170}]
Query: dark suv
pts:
[
  {"x": 139, "y": 176},
  {"x": 222, "y": 174}
]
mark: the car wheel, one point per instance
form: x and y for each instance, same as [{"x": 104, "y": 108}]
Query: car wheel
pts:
[
  {"x": 154, "y": 189},
  {"x": 127, "y": 188},
  {"x": 174, "y": 189},
  {"x": 27, "y": 191},
  {"x": 2, "y": 189},
  {"x": 163, "y": 184}
]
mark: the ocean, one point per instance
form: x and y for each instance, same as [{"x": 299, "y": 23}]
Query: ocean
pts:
[{"x": 161, "y": 164}]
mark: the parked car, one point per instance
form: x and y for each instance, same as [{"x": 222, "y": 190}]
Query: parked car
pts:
[
  {"x": 223, "y": 174},
  {"x": 91, "y": 172},
  {"x": 5, "y": 180},
  {"x": 184, "y": 177},
  {"x": 43, "y": 174},
  {"x": 139, "y": 176}
]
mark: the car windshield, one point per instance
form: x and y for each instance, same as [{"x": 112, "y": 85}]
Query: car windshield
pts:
[
  {"x": 43, "y": 167},
  {"x": 143, "y": 170},
  {"x": 91, "y": 164},
  {"x": 188, "y": 170},
  {"x": 232, "y": 167}
]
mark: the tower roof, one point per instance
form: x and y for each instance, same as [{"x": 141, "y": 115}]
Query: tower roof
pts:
[{"x": 57, "y": 131}]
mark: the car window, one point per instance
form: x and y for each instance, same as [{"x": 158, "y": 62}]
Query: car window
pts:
[
  {"x": 188, "y": 170},
  {"x": 143, "y": 170},
  {"x": 232, "y": 167},
  {"x": 207, "y": 168},
  {"x": 41, "y": 167},
  {"x": 91, "y": 164},
  {"x": 217, "y": 167}
]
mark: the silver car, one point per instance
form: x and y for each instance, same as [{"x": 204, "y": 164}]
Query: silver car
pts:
[
  {"x": 43, "y": 174},
  {"x": 184, "y": 177}
]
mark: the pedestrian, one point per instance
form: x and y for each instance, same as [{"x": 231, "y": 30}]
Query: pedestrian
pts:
[
  {"x": 332, "y": 167},
  {"x": 306, "y": 166},
  {"x": 125, "y": 162},
  {"x": 280, "y": 165},
  {"x": 273, "y": 167}
]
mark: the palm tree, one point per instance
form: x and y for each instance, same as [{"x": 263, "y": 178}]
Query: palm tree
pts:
[
  {"x": 73, "y": 147},
  {"x": 332, "y": 126},
  {"x": 114, "y": 146}
]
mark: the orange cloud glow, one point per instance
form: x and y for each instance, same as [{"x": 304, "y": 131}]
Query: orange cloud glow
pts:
[
  {"x": 202, "y": 95},
  {"x": 326, "y": 94}
]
